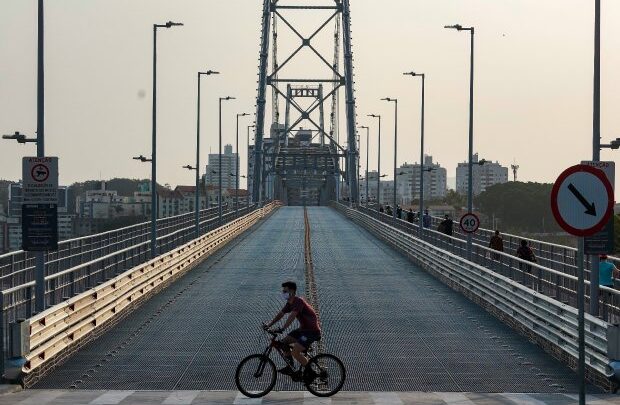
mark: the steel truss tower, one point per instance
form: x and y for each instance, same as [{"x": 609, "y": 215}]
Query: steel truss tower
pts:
[{"x": 273, "y": 76}]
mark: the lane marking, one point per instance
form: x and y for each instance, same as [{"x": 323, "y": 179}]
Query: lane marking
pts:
[
  {"x": 591, "y": 400},
  {"x": 454, "y": 398},
  {"x": 243, "y": 400},
  {"x": 310, "y": 399},
  {"x": 111, "y": 398},
  {"x": 181, "y": 398},
  {"x": 386, "y": 398},
  {"x": 523, "y": 399},
  {"x": 41, "y": 398}
]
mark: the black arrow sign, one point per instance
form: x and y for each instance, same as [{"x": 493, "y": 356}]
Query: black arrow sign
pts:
[{"x": 590, "y": 208}]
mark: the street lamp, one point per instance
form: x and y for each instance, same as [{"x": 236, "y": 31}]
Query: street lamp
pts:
[
  {"x": 615, "y": 144},
  {"x": 395, "y": 101},
  {"x": 169, "y": 24},
  {"x": 237, "y": 166},
  {"x": 378, "y": 157},
  {"x": 423, "y": 76},
  {"x": 470, "y": 188},
  {"x": 142, "y": 159},
  {"x": 248, "y": 165},
  {"x": 367, "y": 154},
  {"x": 20, "y": 138},
  {"x": 227, "y": 98},
  {"x": 197, "y": 198}
]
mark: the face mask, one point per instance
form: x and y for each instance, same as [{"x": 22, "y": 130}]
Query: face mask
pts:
[{"x": 285, "y": 296}]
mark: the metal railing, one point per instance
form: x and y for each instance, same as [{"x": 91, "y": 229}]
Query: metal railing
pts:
[
  {"x": 98, "y": 262},
  {"x": 552, "y": 282},
  {"x": 18, "y": 267},
  {"x": 551, "y": 255},
  {"x": 494, "y": 287},
  {"x": 64, "y": 325}
]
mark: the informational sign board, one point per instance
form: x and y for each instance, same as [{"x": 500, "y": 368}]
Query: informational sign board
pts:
[
  {"x": 39, "y": 227},
  {"x": 582, "y": 200},
  {"x": 602, "y": 242},
  {"x": 470, "y": 223},
  {"x": 40, "y": 180}
]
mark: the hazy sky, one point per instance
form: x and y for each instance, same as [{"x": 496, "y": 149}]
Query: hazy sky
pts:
[{"x": 533, "y": 89}]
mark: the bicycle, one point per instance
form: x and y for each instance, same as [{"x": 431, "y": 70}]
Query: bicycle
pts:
[{"x": 256, "y": 374}]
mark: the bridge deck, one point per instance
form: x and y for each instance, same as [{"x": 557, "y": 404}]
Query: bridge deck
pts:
[{"x": 395, "y": 327}]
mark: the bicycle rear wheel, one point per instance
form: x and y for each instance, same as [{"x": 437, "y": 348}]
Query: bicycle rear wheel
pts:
[
  {"x": 324, "y": 375},
  {"x": 256, "y": 376}
]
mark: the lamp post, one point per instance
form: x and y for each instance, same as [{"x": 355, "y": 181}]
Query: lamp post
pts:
[
  {"x": 470, "y": 187},
  {"x": 237, "y": 166},
  {"x": 227, "y": 98},
  {"x": 367, "y": 154},
  {"x": 197, "y": 202},
  {"x": 395, "y": 101},
  {"x": 423, "y": 76},
  {"x": 378, "y": 158},
  {"x": 247, "y": 186},
  {"x": 169, "y": 24}
]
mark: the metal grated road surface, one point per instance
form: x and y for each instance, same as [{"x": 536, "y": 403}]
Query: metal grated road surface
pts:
[
  {"x": 399, "y": 329},
  {"x": 395, "y": 327},
  {"x": 194, "y": 333}
]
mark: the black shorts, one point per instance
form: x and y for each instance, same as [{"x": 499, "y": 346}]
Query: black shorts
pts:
[{"x": 305, "y": 337}]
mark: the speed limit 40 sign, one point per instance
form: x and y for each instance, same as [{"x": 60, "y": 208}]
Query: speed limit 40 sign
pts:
[{"x": 470, "y": 223}]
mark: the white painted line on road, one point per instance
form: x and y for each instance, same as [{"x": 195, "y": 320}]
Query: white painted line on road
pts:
[
  {"x": 181, "y": 398},
  {"x": 243, "y": 400},
  {"x": 386, "y": 398},
  {"x": 590, "y": 400},
  {"x": 41, "y": 398},
  {"x": 111, "y": 398},
  {"x": 310, "y": 399},
  {"x": 454, "y": 398},
  {"x": 523, "y": 399}
]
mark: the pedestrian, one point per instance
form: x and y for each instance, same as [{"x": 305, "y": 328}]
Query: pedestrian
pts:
[
  {"x": 496, "y": 243},
  {"x": 525, "y": 253},
  {"x": 381, "y": 210},
  {"x": 446, "y": 226},
  {"x": 607, "y": 272},
  {"x": 410, "y": 216},
  {"x": 388, "y": 210},
  {"x": 426, "y": 219},
  {"x": 399, "y": 212}
]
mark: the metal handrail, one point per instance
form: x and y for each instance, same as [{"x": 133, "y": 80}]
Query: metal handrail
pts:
[{"x": 550, "y": 320}]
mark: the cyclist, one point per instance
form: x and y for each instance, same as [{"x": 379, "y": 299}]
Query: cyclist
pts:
[{"x": 301, "y": 338}]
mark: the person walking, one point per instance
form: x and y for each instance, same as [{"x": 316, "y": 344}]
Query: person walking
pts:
[
  {"x": 399, "y": 212},
  {"x": 426, "y": 219},
  {"x": 607, "y": 271},
  {"x": 381, "y": 210},
  {"x": 496, "y": 243},
  {"x": 525, "y": 253},
  {"x": 446, "y": 226},
  {"x": 388, "y": 210},
  {"x": 410, "y": 216}
]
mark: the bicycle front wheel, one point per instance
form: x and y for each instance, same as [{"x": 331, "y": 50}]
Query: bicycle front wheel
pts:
[
  {"x": 256, "y": 376},
  {"x": 324, "y": 375}
]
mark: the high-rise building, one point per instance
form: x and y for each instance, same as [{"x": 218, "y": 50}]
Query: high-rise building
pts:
[
  {"x": 484, "y": 175},
  {"x": 408, "y": 184},
  {"x": 229, "y": 168}
]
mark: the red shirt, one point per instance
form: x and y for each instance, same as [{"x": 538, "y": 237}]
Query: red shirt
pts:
[{"x": 306, "y": 316}]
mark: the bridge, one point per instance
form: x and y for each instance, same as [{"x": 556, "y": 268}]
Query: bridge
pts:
[{"x": 417, "y": 316}]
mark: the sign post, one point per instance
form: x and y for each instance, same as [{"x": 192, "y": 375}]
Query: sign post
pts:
[
  {"x": 40, "y": 214},
  {"x": 469, "y": 222},
  {"x": 582, "y": 202}
]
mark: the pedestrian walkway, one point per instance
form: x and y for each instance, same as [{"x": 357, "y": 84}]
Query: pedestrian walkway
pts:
[{"x": 82, "y": 397}]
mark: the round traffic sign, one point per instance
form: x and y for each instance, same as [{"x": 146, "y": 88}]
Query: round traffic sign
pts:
[
  {"x": 40, "y": 173},
  {"x": 582, "y": 200},
  {"x": 470, "y": 222}
]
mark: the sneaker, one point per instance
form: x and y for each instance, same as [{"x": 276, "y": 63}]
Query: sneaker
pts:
[{"x": 286, "y": 370}]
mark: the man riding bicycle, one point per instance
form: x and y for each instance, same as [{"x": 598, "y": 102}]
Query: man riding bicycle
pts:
[{"x": 301, "y": 338}]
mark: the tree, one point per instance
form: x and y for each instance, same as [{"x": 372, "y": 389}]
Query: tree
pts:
[{"x": 521, "y": 207}]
